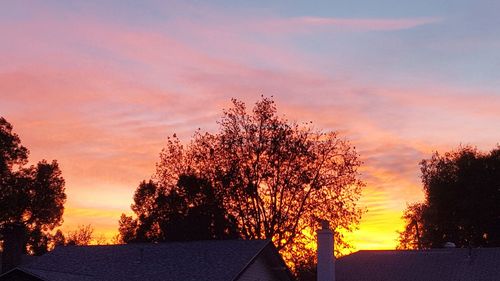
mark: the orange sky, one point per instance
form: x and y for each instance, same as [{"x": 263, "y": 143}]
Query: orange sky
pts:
[{"x": 99, "y": 87}]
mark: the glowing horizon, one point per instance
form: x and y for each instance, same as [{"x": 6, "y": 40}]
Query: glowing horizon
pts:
[{"x": 100, "y": 85}]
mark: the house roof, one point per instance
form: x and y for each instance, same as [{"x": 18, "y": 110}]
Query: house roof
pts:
[
  {"x": 25, "y": 259},
  {"x": 197, "y": 260},
  {"x": 477, "y": 264}
]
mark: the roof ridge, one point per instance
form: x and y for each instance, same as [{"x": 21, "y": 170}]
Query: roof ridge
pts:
[
  {"x": 23, "y": 270},
  {"x": 253, "y": 258},
  {"x": 58, "y": 271},
  {"x": 221, "y": 259},
  {"x": 162, "y": 243}
]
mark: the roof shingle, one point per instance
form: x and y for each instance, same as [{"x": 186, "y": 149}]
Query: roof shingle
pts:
[
  {"x": 198, "y": 260},
  {"x": 478, "y": 264}
]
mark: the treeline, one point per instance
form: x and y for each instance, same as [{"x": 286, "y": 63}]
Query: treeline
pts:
[
  {"x": 259, "y": 176},
  {"x": 31, "y": 197},
  {"x": 462, "y": 201}
]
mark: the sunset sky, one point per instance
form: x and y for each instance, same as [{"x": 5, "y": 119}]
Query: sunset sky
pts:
[{"x": 99, "y": 85}]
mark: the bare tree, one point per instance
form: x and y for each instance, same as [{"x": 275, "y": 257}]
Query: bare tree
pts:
[{"x": 81, "y": 236}]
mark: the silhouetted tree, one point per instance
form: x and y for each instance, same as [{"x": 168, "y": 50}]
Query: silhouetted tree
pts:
[
  {"x": 305, "y": 269},
  {"x": 127, "y": 230},
  {"x": 462, "y": 201},
  {"x": 83, "y": 235},
  {"x": 12, "y": 153},
  {"x": 189, "y": 211},
  {"x": 59, "y": 239},
  {"x": 275, "y": 177},
  {"x": 31, "y": 196},
  {"x": 411, "y": 237}
]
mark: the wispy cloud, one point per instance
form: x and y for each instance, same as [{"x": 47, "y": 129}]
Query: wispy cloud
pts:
[
  {"x": 101, "y": 96},
  {"x": 303, "y": 24}
]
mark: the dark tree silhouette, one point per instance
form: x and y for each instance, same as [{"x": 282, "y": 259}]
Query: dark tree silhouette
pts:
[
  {"x": 462, "y": 201},
  {"x": 188, "y": 211},
  {"x": 58, "y": 239},
  {"x": 411, "y": 237},
  {"x": 12, "y": 153},
  {"x": 83, "y": 235},
  {"x": 29, "y": 196},
  {"x": 276, "y": 178}
]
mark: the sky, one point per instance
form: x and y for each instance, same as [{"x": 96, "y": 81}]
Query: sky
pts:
[{"x": 100, "y": 85}]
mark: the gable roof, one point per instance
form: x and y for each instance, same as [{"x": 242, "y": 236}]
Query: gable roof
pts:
[
  {"x": 197, "y": 260},
  {"x": 18, "y": 274},
  {"x": 25, "y": 259},
  {"x": 476, "y": 264}
]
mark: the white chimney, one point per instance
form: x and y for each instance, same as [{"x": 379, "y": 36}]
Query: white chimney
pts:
[{"x": 326, "y": 259}]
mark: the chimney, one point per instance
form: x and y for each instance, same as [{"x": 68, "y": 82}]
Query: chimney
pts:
[
  {"x": 326, "y": 259},
  {"x": 13, "y": 246}
]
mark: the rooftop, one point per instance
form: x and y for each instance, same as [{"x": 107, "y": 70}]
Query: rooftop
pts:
[{"x": 476, "y": 264}]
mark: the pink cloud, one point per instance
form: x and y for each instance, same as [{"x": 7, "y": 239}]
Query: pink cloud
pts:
[{"x": 101, "y": 98}]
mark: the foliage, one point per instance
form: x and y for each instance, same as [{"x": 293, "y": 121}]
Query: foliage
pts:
[
  {"x": 411, "y": 237},
  {"x": 11, "y": 151},
  {"x": 305, "y": 269},
  {"x": 31, "y": 196},
  {"x": 82, "y": 236},
  {"x": 462, "y": 201},
  {"x": 189, "y": 211},
  {"x": 275, "y": 178},
  {"x": 58, "y": 239}
]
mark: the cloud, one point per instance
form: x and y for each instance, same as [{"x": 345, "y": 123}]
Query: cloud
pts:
[
  {"x": 309, "y": 24},
  {"x": 102, "y": 96}
]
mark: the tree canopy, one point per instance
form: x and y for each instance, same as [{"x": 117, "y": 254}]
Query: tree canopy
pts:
[
  {"x": 190, "y": 211},
  {"x": 462, "y": 201},
  {"x": 83, "y": 235},
  {"x": 273, "y": 178},
  {"x": 31, "y": 196}
]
